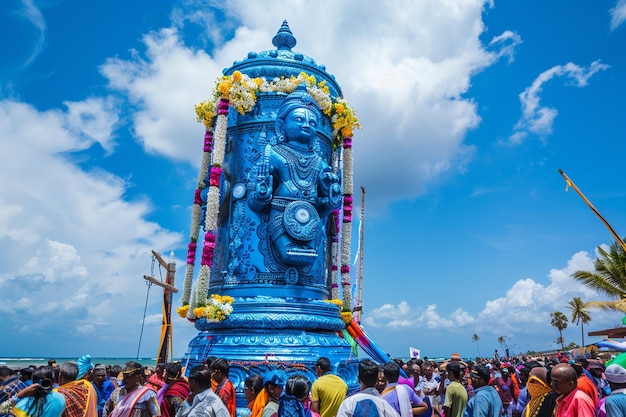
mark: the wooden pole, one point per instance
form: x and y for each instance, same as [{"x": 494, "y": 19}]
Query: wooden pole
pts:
[
  {"x": 570, "y": 183},
  {"x": 166, "y": 339}
]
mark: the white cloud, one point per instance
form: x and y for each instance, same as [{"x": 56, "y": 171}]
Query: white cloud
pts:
[
  {"x": 403, "y": 316},
  {"x": 153, "y": 320},
  {"x": 56, "y": 261},
  {"x": 519, "y": 313},
  {"x": 73, "y": 249},
  {"x": 33, "y": 15},
  {"x": 408, "y": 89},
  {"x": 165, "y": 87},
  {"x": 95, "y": 118},
  {"x": 505, "y": 44},
  {"x": 537, "y": 119},
  {"x": 432, "y": 320},
  {"x": 618, "y": 14}
]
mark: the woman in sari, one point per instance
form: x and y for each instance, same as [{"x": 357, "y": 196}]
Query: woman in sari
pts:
[
  {"x": 133, "y": 399},
  {"x": 173, "y": 394}
]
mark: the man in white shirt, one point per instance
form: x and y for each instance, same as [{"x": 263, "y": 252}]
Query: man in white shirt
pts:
[{"x": 367, "y": 402}]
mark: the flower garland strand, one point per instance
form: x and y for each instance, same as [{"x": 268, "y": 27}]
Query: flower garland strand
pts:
[
  {"x": 212, "y": 212},
  {"x": 346, "y": 232},
  {"x": 196, "y": 213},
  {"x": 187, "y": 309}
]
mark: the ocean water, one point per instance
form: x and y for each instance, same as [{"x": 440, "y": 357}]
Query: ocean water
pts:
[{"x": 25, "y": 362}]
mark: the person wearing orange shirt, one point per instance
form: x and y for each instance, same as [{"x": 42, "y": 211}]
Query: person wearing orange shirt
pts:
[{"x": 224, "y": 388}]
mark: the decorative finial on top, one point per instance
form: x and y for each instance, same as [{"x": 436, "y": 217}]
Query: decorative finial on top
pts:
[{"x": 284, "y": 39}]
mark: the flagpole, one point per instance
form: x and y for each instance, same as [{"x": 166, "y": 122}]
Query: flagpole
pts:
[
  {"x": 361, "y": 252},
  {"x": 358, "y": 308},
  {"x": 570, "y": 183}
]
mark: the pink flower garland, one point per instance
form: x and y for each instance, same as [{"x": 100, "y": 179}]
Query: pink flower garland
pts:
[
  {"x": 214, "y": 178},
  {"x": 208, "y": 141},
  {"x": 223, "y": 107},
  {"x": 347, "y": 208},
  {"x": 191, "y": 253},
  {"x": 208, "y": 249}
]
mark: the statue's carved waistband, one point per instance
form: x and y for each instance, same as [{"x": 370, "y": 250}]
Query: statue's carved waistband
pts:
[{"x": 281, "y": 203}]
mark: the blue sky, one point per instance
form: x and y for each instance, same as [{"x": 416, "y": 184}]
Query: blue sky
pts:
[{"x": 468, "y": 110}]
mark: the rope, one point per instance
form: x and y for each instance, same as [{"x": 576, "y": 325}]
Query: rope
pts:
[{"x": 145, "y": 308}]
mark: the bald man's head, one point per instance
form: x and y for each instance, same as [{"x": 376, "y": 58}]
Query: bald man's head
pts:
[{"x": 563, "y": 379}]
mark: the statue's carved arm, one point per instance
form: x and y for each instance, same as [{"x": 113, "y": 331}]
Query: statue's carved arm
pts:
[{"x": 264, "y": 184}]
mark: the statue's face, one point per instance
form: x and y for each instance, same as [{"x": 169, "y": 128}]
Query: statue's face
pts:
[{"x": 301, "y": 125}]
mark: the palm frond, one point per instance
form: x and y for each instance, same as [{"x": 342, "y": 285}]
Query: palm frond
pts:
[{"x": 618, "y": 306}]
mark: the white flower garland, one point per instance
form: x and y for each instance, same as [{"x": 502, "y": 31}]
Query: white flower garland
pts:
[
  {"x": 219, "y": 146},
  {"x": 213, "y": 199},
  {"x": 346, "y": 232},
  {"x": 196, "y": 214},
  {"x": 192, "y": 302},
  {"x": 185, "y": 296},
  {"x": 204, "y": 168},
  {"x": 346, "y": 291},
  {"x": 348, "y": 186},
  {"x": 202, "y": 286}
]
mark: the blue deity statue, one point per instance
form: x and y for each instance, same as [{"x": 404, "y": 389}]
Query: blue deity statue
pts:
[
  {"x": 273, "y": 248},
  {"x": 296, "y": 183}
]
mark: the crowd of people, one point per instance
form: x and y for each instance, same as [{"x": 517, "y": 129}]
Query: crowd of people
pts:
[{"x": 558, "y": 386}]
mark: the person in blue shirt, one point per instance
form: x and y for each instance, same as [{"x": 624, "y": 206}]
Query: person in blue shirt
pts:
[
  {"x": 26, "y": 375},
  {"x": 10, "y": 383},
  {"x": 486, "y": 402},
  {"x": 103, "y": 387},
  {"x": 38, "y": 399}
]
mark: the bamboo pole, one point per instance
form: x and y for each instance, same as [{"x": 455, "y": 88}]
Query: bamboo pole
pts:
[
  {"x": 570, "y": 183},
  {"x": 359, "y": 307}
]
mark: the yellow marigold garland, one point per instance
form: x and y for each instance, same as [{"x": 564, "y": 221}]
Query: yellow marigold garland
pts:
[
  {"x": 183, "y": 310},
  {"x": 242, "y": 91},
  {"x": 346, "y": 316}
]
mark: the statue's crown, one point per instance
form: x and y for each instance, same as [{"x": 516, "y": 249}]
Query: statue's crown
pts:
[{"x": 297, "y": 99}]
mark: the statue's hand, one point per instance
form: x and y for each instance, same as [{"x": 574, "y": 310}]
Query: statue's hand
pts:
[
  {"x": 331, "y": 188},
  {"x": 264, "y": 180},
  {"x": 327, "y": 179},
  {"x": 334, "y": 195},
  {"x": 264, "y": 186}
]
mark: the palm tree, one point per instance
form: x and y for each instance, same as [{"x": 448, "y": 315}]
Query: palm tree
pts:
[
  {"x": 580, "y": 314},
  {"x": 559, "y": 320},
  {"x": 476, "y": 338},
  {"x": 609, "y": 278},
  {"x": 502, "y": 341},
  {"x": 560, "y": 341}
]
